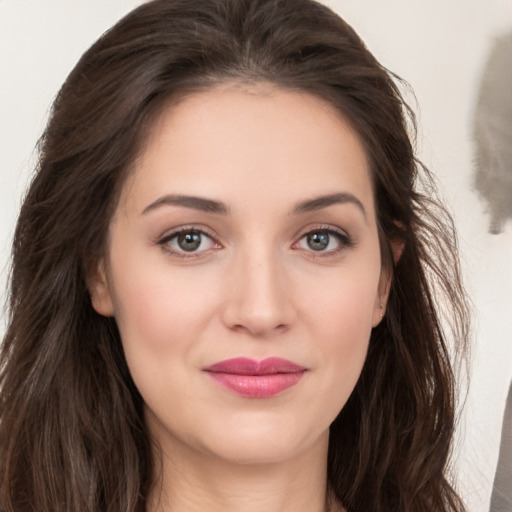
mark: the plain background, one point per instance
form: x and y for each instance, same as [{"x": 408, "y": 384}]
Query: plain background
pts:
[{"x": 439, "y": 46}]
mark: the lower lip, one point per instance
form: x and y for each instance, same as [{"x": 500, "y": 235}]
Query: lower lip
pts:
[{"x": 257, "y": 386}]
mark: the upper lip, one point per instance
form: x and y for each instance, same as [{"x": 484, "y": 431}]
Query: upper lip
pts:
[{"x": 246, "y": 366}]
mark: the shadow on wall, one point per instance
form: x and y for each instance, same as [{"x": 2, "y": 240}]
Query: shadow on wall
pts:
[
  {"x": 493, "y": 134},
  {"x": 501, "y": 500}
]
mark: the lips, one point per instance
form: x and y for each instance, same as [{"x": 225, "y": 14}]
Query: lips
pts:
[{"x": 256, "y": 379}]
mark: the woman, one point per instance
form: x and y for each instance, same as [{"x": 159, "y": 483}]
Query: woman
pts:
[{"x": 222, "y": 292}]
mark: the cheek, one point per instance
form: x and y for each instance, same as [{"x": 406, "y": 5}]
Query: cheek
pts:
[
  {"x": 340, "y": 321},
  {"x": 343, "y": 304},
  {"x": 160, "y": 316},
  {"x": 161, "y": 320},
  {"x": 346, "y": 326}
]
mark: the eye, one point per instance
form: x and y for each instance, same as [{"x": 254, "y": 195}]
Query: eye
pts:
[
  {"x": 327, "y": 241},
  {"x": 318, "y": 241},
  {"x": 187, "y": 241}
]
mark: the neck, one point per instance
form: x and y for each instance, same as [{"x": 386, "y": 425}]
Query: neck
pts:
[{"x": 194, "y": 481}]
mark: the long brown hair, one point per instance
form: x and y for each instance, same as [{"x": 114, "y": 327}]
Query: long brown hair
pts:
[{"x": 72, "y": 435}]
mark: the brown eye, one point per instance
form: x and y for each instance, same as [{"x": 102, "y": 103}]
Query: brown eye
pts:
[
  {"x": 187, "y": 241},
  {"x": 190, "y": 241}
]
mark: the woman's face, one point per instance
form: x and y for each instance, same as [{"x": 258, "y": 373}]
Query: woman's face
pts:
[{"x": 244, "y": 272}]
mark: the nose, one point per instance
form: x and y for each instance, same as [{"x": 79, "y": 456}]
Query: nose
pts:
[{"x": 260, "y": 296}]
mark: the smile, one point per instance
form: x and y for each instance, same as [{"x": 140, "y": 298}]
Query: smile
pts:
[{"x": 256, "y": 379}]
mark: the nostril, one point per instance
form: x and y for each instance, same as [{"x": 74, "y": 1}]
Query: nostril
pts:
[{"x": 258, "y": 328}]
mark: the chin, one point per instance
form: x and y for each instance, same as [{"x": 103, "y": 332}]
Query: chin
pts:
[{"x": 264, "y": 442}]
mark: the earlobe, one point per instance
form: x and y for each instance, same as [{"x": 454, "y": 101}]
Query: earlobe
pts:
[
  {"x": 379, "y": 308},
  {"x": 99, "y": 290},
  {"x": 378, "y": 313}
]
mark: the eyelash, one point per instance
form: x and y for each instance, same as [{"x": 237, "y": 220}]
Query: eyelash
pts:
[{"x": 344, "y": 240}]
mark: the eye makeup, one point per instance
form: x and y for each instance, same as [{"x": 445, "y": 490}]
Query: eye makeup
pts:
[{"x": 194, "y": 241}]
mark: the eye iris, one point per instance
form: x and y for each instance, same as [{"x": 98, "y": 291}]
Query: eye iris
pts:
[
  {"x": 189, "y": 241},
  {"x": 318, "y": 241}
]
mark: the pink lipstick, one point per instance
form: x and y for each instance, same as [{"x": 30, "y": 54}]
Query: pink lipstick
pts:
[{"x": 256, "y": 379}]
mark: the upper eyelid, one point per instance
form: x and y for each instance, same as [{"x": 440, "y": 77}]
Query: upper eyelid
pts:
[
  {"x": 170, "y": 234},
  {"x": 322, "y": 227}
]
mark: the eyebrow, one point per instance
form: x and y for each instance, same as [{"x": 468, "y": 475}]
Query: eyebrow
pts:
[
  {"x": 212, "y": 206},
  {"x": 320, "y": 202},
  {"x": 196, "y": 203}
]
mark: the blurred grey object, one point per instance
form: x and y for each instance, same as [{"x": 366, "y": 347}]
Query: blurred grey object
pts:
[
  {"x": 493, "y": 134},
  {"x": 501, "y": 500}
]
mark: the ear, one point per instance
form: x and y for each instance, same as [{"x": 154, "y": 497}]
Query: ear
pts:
[
  {"x": 379, "y": 308},
  {"x": 99, "y": 290},
  {"x": 397, "y": 248}
]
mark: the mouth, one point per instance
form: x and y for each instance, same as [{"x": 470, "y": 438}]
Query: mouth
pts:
[{"x": 256, "y": 379}]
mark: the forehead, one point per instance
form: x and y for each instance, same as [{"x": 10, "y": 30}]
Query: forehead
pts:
[{"x": 254, "y": 141}]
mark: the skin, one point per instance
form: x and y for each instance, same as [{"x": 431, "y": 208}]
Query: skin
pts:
[{"x": 254, "y": 288}]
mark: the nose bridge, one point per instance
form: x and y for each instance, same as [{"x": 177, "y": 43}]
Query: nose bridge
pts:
[{"x": 260, "y": 300}]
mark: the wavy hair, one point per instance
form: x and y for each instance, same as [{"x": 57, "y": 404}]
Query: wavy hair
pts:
[{"x": 72, "y": 434}]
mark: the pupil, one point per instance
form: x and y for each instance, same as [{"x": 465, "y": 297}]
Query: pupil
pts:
[
  {"x": 318, "y": 241},
  {"x": 189, "y": 241}
]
